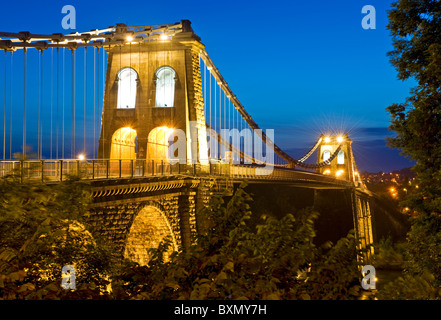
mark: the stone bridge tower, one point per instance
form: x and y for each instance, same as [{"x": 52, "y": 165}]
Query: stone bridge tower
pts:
[
  {"x": 153, "y": 91},
  {"x": 342, "y": 165}
]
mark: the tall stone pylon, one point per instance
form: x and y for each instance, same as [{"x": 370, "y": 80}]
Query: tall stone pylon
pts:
[{"x": 153, "y": 95}]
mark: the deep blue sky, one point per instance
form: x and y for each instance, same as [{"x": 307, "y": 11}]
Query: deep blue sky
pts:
[{"x": 300, "y": 67}]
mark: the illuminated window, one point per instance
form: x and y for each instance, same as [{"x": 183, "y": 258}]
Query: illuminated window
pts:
[
  {"x": 326, "y": 155},
  {"x": 165, "y": 87},
  {"x": 127, "y": 79},
  {"x": 341, "y": 157}
]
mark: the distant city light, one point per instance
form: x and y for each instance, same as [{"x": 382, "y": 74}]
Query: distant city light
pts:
[
  {"x": 129, "y": 38},
  {"x": 81, "y": 157}
]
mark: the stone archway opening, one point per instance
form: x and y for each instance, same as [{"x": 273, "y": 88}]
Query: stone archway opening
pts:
[
  {"x": 158, "y": 143},
  {"x": 123, "y": 144},
  {"x": 148, "y": 229}
]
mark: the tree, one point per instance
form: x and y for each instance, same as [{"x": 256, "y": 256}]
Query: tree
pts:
[{"x": 415, "y": 27}]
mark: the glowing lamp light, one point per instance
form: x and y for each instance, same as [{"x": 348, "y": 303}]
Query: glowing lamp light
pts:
[
  {"x": 163, "y": 36},
  {"x": 129, "y": 38},
  {"x": 339, "y": 173},
  {"x": 327, "y": 171},
  {"x": 81, "y": 157},
  {"x": 340, "y": 139},
  {"x": 327, "y": 139}
]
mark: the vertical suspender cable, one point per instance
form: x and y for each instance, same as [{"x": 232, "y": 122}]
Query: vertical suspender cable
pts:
[
  {"x": 40, "y": 137},
  {"x": 206, "y": 107},
  {"x": 103, "y": 112},
  {"x": 72, "y": 156},
  {"x": 215, "y": 113},
  {"x": 57, "y": 120},
  {"x": 94, "y": 102},
  {"x": 98, "y": 94},
  {"x": 85, "y": 97},
  {"x": 225, "y": 111},
  {"x": 119, "y": 84},
  {"x": 10, "y": 111},
  {"x": 220, "y": 117},
  {"x": 24, "y": 102},
  {"x": 62, "y": 115},
  {"x": 4, "y": 116},
  {"x": 229, "y": 122},
  {"x": 39, "y": 105},
  {"x": 211, "y": 127},
  {"x": 52, "y": 89}
]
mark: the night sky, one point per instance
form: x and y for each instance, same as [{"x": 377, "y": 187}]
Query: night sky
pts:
[{"x": 299, "y": 67}]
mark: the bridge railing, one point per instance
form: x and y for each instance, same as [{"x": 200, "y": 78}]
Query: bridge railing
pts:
[{"x": 59, "y": 170}]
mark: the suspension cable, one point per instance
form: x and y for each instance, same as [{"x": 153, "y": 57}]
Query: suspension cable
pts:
[
  {"x": 52, "y": 89},
  {"x": 94, "y": 102},
  {"x": 24, "y": 102},
  {"x": 40, "y": 137},
  {"x": 73, "y": 106},
  {"x": 10, "y": 111},
  {"x": 58, "y": 102},
  {"x": 62, "y": 115},
  {"x": 85, "y": 98},
  {"x": 4, "y": 115}
]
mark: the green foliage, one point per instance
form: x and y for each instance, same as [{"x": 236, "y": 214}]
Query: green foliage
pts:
[
  {"x": 416, "y": 30},
  {"x": 42, "y": 230},
  {"x": 389, "y": 255},
  {"x": 275, "y": 259},
  {"x": 45, "y": 228}
]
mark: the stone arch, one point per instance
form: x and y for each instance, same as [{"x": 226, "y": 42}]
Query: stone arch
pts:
[
  {"x": 149, "y": 227},
  {"x": 123, "y": 145}
]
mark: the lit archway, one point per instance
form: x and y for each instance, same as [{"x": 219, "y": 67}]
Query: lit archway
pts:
[
  {"x": 158, "y": 143},
  {"x": 123, "y": 144},
  {"x": 148, "y": 229}
]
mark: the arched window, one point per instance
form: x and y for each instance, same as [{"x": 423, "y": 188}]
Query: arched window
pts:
[
  {"x": 341, "y": 157},
  {"x": 127, "y": 78},
  {"x": 165, "y": 87},
  {"x": 326, "y": 155}
]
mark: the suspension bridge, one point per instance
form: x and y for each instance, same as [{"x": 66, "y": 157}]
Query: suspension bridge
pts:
[{"x": 144, "y": 114}]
